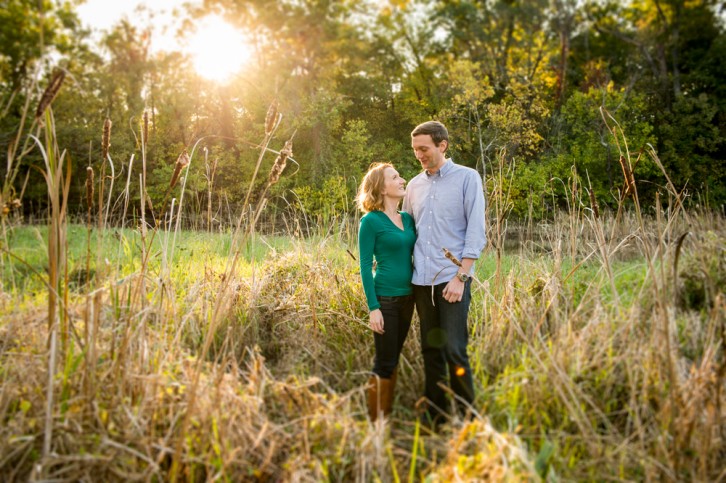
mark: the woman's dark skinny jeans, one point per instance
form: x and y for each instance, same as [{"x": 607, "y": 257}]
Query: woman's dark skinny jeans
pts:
[{"x": 397, "y": 313}]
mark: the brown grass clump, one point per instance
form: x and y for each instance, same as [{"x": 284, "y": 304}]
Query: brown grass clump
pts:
[{"x": 477, "y": 452}]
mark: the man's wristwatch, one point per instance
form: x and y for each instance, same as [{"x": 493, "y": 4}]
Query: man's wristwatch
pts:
[{"x": 464, "y": 277}]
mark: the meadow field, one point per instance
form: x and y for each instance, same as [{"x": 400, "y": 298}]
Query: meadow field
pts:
[
  {"x": 183, "y": 302},
  {"x": 597, "y": 342}
]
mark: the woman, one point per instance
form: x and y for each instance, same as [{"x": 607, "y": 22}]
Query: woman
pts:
[{"x": 388, "y": 236}]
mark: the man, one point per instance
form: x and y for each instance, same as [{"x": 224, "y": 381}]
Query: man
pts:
[{"x": 446, "y": 201}]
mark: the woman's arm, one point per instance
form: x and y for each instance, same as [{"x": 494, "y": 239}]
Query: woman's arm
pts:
[{"x": 366, "y": 244}]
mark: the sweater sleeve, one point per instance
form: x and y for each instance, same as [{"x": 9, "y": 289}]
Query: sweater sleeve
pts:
[{"x": 366, "y": 244}]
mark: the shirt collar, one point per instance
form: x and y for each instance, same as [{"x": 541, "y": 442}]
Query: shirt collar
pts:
[{"x": 448, "y": 163}]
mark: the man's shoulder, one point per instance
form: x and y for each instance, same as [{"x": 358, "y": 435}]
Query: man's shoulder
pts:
[
  {"x": 418, "y": 178},
  {"x": 460, "y": 169}
]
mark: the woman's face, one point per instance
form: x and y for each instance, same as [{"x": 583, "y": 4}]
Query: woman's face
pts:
[{"x": 393, "y": 185}]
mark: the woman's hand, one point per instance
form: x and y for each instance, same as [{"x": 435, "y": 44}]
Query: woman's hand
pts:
[{"x": 376, "y": 322}]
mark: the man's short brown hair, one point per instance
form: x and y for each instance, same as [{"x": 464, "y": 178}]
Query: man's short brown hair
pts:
[{"x": 435, "y": 129}]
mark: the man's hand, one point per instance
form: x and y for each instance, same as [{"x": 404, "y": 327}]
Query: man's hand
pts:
[
  {"x": 454, "y": 290},
  {"x": 376, "y": 322}
]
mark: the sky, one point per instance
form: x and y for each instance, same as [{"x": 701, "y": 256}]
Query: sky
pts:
[
  {"x": 102, "y": 14},
  {"x": 217, "y": 49}
]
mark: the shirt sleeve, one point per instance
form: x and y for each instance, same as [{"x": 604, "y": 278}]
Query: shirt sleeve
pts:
[
  {"x": 474, "y": 206},
  {"x": 366, "y": 244},
  {"x": 406, "y": 203}
]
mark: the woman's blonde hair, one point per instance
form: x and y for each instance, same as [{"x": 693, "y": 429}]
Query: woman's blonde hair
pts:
[{"x": 369, "y": 196}]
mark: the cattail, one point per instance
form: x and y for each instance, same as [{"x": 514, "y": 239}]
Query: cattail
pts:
[
  {"x": 145, "y": 131},
  {"x": 89, "y": 187},
  {"x": 181, "y": 162},
  {"x": 628, "y": 175},
  {"x": 451, "y": 257},
  {"x": 593, "y": 204},
  {"x": 271, "y": 118},
  {"x": 106, "y": 138},
  {"x": 51, "y": 92},
  {"x": 11, "y": 205},
  {"x": 280, "y": 163}
]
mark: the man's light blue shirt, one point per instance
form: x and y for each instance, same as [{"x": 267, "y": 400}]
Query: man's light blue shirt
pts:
[{"x": 448, "y": 208}]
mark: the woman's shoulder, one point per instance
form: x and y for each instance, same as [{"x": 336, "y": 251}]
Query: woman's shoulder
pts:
[
  {"x": 371, "y": 217},
  {"x": 407, "y": 215}
]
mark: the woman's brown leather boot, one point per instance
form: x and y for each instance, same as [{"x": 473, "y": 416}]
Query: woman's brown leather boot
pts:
[{"x": 380, "y": 397}]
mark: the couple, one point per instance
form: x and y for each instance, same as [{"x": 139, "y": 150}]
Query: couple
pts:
[{"x": 442, "y": 208}]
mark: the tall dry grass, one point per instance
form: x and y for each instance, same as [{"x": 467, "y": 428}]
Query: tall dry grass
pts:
[{"x": 597, "y": 347}]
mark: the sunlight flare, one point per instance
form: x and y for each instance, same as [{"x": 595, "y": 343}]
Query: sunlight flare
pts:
[{"x": 218, "y": 50}]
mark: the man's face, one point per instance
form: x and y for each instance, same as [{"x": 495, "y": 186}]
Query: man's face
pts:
[{"x": 428, "y": 154}]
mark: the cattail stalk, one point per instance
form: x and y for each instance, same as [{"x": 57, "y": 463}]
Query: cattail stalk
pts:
[
  {"x": 271, "y": 118},
  {"x": 106, "y": 138},
  {"x": 280, "y": 163},
  {"x": 451, "y": 257},
  {"x": 86, "y": 332},
  {"x": 593, "y": 204},
  {"x": 273, "y": 178},
  {"x": 50, "y": 93},
  {"x": 89, "y": 188},
  {"x": 181, "y": 162},
  {"x": 271, "y": 121},
  {"x": 629, "y": 178},
  {"x": 210, "y": 172},
  {"x": 145, "y": 129}
]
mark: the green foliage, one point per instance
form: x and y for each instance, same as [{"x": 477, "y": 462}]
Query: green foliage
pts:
[
  {"x": 586, "y": 144},
  {"x": 690, "y": 138},
  {"x": 331, "y": 200},
  {"x": 353, "y": 79}
]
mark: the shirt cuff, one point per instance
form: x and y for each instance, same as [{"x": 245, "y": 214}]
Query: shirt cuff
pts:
[{"x": 469, "y": 253}]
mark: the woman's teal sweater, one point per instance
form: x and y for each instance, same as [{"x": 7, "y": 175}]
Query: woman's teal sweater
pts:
[{"x": 392, "y": 248}]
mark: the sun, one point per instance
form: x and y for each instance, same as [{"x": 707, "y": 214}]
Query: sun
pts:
[{"x": 218, "y": 50}]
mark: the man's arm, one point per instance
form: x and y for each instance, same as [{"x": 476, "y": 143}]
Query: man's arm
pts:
[
  {"x": 455, "y": 288},
  {"x": 475, "y": 239},
  {"x": 474, "y": 207}
]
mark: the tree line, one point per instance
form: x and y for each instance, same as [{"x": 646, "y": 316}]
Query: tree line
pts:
[{"x": 530, "y": 91}]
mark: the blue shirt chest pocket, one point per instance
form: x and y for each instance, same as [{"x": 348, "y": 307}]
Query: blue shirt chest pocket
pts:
[{"x": 449, "y": 204}]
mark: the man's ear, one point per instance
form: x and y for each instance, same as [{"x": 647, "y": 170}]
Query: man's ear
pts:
[{"x": 446, "y": 145}]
